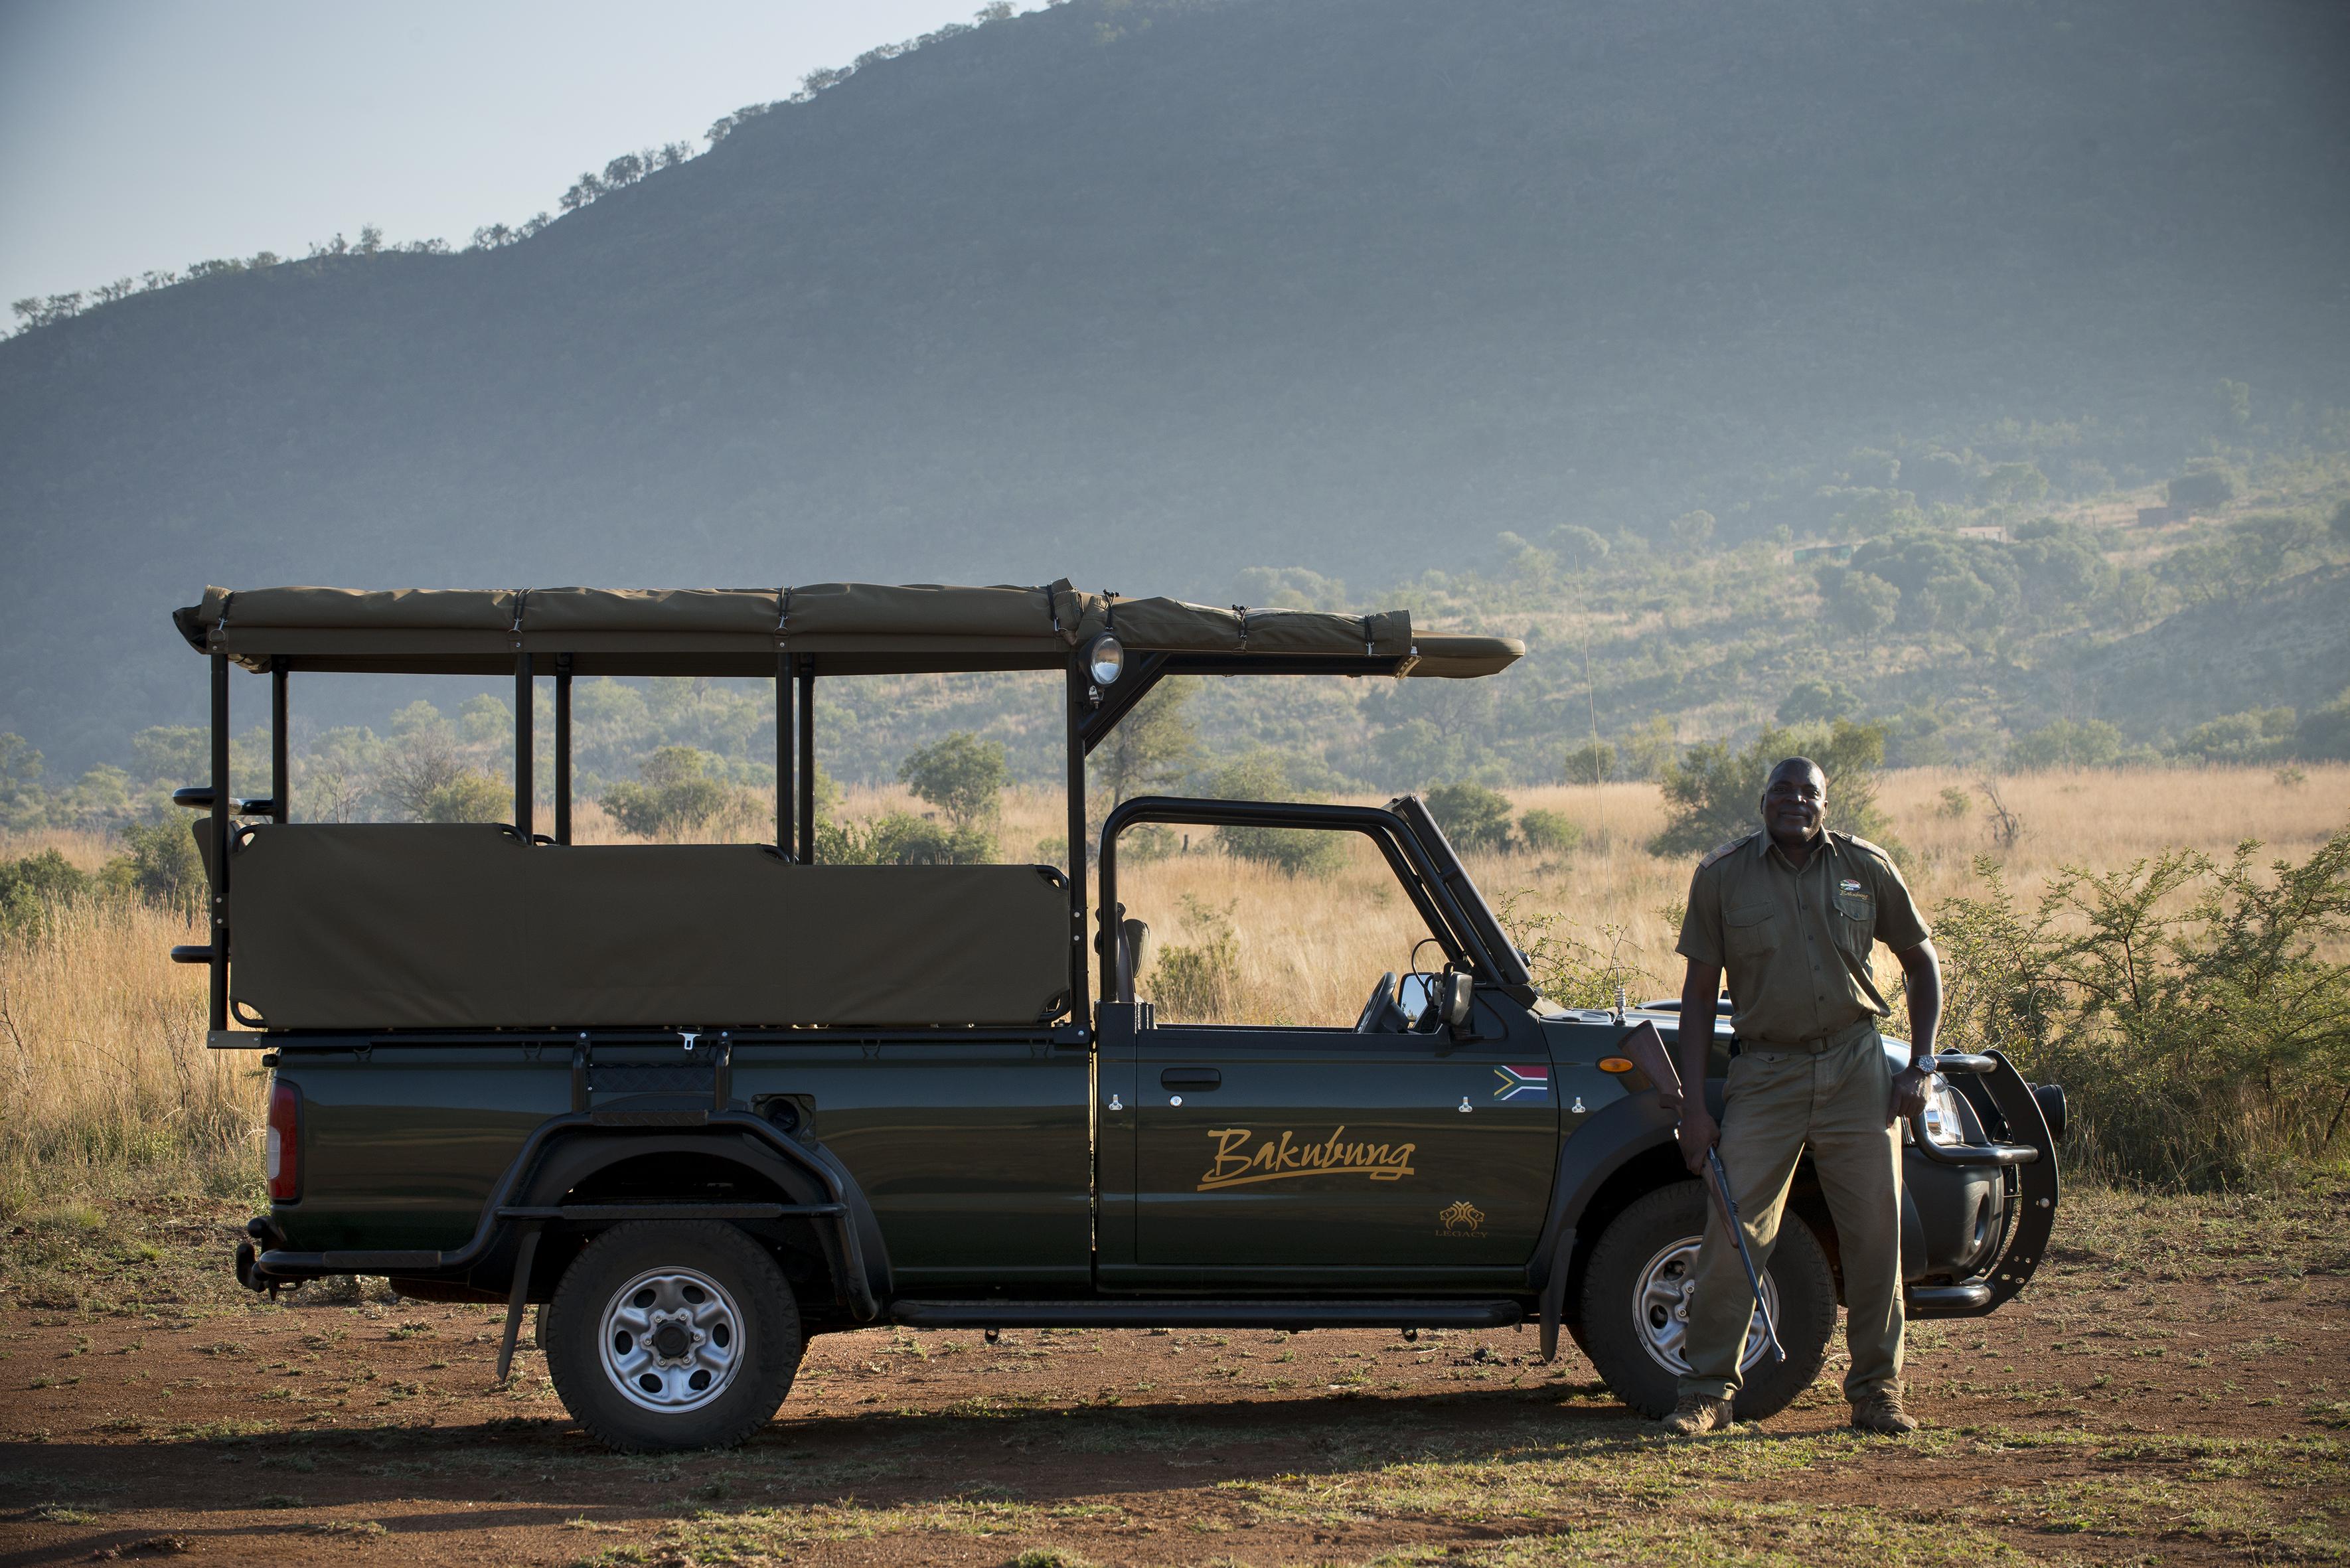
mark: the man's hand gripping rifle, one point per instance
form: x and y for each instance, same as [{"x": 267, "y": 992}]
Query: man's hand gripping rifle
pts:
[{"x": 1646, "y": 1047}]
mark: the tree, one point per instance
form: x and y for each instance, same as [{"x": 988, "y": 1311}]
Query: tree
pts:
[
  {"x": 2321, "y": 732},
  {"x": 162, "y": 865},
  {"x": 1549, "y": 832},
  {"x": 1862, "y": 603},
  {"x": 2202, "y": 489},
  {"x": 31, "y": 886},
  {"x": 2014, "y": 484},
  {"x": 1817, "y": 702},
  {"x": 1472, "y": 816},
  {"x": 1712, "y": 792},
  {"x": 963, "y": 775},
  {"x": 1693, "y": 530},
  {"x": 675, "y": 796},
  {"x": 1153, "y": 746},
  {"x": 1302, "y": 852},
  {"x": 21, "y": 800},
  {"x": 1592, "y": 762},
  {"x": 173, "y": 755},
  {"x": 2067, "y": 744}
]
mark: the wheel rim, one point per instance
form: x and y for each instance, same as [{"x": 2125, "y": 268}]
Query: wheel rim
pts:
[
  {"x": 671, "y": 1339},
  {"x": 1660, "y": 1309}
]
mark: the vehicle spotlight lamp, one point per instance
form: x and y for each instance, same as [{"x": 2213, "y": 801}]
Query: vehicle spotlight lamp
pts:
[{"x": 1106, "y": 660}]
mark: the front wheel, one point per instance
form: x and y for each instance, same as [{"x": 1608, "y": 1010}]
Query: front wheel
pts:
[
  {"x": 672, "y": 1334},
  {"x": 1636, "y": 1296}
]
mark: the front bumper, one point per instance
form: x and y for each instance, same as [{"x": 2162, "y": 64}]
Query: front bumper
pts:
[{"x": 2024, "y": 1156}]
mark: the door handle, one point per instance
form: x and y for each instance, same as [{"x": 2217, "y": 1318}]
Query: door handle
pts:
[{"x": 1191, "y": 1079}]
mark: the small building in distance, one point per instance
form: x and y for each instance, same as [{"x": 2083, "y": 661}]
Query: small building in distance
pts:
[{"x": 1990, "y": 531}]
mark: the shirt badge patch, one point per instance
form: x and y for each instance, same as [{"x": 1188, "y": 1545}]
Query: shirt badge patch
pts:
[
  {"x": 1521, "y": 1080},
  {"x": 1849, "y": 886}
]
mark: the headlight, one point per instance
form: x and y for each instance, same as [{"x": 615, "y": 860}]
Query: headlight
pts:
[
  {"x": 1944, "y": 1125},
  {"x": 1106, "y": 660}
]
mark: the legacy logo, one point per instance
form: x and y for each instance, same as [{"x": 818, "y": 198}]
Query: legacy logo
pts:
[
  {"x": 1277, "y": 1160},
  {"x": 1461, "y": 1218}
]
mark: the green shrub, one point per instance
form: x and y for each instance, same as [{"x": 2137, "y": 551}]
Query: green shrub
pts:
[
  {"x": 1549, "y": 832},
  {"x": 963, "y": 775},
  {"x": 675, "y": 796},
  {"x": 2193, "y": 1011},
  {"x": 1200, "y": 981},
  {"x": 163, "y": 866},
  {"x": 1567, "y": 967},
  {"x": 31, "y": 886},
  {"x": 1713, "y": 793},
  {"x": 1589, "y": 764},
  {"x": 2255, "y": 735},
  {"x": 2204, "y": 488},
  {"x": 901, "y": 838},
  {"x": 1299, "y": 851},
  {"x": 1472, "y": 816},
  {"x": 2067, "y": 744}
]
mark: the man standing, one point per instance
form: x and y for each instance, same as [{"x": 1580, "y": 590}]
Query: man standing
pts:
[{"x": 1793, "y": 912}]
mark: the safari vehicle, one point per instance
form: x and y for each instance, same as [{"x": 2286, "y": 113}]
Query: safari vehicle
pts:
[{"x": 702, "y": 1101}]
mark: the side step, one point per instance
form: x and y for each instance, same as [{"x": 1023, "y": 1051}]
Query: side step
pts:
[{"x": 1191, "y": 1312}]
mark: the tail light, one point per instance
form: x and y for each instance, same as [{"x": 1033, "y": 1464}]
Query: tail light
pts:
[{"x": 283, "y": 1157}]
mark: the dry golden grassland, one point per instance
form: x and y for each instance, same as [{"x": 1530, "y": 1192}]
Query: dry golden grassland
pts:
[
  {"x": 1309, "y": 949},
  {"x": 104, "y": 1076}
]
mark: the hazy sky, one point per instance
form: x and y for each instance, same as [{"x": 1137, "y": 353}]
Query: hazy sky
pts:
[{"x": 152, "y": 133}]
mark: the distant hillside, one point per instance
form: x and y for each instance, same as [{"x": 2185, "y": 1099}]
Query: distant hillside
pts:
[{"x": 1146, "y": 292}]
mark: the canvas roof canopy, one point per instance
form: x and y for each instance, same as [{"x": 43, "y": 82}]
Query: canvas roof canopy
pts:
[{"x": 845, "y": 629}]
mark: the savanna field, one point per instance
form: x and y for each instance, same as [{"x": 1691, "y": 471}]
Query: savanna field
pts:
[{"x": 2173, "y": 1388}]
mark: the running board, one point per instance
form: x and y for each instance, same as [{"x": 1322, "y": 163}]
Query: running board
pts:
[{"x": 1195, "y": 1313}]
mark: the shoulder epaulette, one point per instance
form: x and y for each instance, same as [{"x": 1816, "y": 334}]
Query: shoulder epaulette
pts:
[
  {"x": 1718, "y": 850},
  {"x": 1858, "y": 842}
]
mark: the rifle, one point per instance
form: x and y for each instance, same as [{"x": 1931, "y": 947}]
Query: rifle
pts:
[{"x": 1646, "y": 1047}]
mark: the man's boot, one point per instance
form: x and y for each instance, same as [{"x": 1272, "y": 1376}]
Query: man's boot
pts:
[
  {"x": 1881, "y": 1415},
  {"x": 1697, "y": 1414}
]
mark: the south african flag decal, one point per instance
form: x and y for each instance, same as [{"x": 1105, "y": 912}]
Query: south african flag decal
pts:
[{"x": 1517, "y": 1080}]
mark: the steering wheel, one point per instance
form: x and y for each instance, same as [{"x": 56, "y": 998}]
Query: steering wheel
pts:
[{"x": 1382, "y": 998}]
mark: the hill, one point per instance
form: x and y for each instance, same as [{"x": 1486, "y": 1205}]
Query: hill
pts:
[{"x": 1146, "y": 292}]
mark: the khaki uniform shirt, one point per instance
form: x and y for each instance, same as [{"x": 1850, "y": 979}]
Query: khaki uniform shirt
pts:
[{"x": 1795, "y": 944}]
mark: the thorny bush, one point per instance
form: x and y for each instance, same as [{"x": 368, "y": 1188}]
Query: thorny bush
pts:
[{"x": 2197, "y": 1012}]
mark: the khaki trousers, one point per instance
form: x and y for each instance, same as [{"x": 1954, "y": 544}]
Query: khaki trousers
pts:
[{"x": 1777, "y": 1103}]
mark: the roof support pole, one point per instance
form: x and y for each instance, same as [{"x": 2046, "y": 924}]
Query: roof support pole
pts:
[
  {"x": 808, "y": 762},
  {"x": 1080, "y": 1014},
  {"x": 787, "y": 791},
  {"x": 281, "y": 783},
  {"x": 563, "y": 748},
  {"x": 526, "y": 789},
  {"x": 220, "y": 836}
]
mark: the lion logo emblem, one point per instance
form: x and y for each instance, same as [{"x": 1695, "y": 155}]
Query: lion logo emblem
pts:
[{"x": 1463, "y": 1216}]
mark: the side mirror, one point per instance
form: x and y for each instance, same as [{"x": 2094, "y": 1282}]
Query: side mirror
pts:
[{"x": 1454, "y": 994}]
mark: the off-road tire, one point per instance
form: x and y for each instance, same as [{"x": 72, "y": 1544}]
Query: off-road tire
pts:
[
  {"x": 764, "y": 1324},
  {"x": 1611, "y": 1336}
]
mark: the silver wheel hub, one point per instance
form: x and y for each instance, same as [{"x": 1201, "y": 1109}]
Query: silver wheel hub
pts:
[
  {"x": 1660, "y": 1307},
  {"x": 671, "y": 1339}
]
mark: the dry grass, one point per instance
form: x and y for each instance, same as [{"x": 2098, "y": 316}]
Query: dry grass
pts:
[
  {"x": 103, "y": 1068},
  {"x": 1310, "y": 950}
]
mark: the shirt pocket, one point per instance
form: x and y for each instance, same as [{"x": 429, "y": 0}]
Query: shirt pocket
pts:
[
  {"x": 1855, "y": 922},
  {"x": 1752, "y": 931}
]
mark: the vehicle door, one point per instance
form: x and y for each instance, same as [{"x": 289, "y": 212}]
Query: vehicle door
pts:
[{"x": 1283, "y": 1157}]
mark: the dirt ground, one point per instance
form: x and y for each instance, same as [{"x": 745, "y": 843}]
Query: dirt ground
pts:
[{"x": 2175, "y": 1388}]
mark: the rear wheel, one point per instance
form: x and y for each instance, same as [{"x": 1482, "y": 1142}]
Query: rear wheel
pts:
[
  {"x": 672, "y": 1334},
  {"x": 1635, "y": 1306}
]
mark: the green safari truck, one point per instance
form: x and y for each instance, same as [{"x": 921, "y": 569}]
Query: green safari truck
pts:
[{"x": 699, "y": 1102}]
